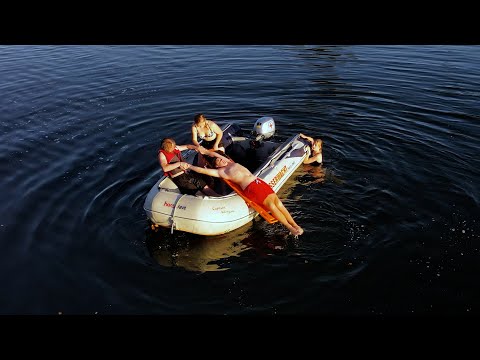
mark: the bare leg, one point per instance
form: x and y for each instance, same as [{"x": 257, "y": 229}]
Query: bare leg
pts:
[
  {"x": 270, "y": 203},
  {"x": 287, "y": 215}
]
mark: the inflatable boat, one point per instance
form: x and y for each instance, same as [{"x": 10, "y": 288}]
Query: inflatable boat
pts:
[{"x": 270, "y": 160}]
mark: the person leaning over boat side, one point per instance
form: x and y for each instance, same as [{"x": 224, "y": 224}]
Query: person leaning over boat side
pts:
[
  {"x": 315, "y": 150},
  {"x": 210, "y": 134},
  {"x": 254, "y": 188},
  {"x": 171, "y": 161},
  {"x": 208, "y": 131}
]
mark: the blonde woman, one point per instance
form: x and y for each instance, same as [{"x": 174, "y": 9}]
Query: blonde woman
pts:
[{"x": 315, "y": 153}]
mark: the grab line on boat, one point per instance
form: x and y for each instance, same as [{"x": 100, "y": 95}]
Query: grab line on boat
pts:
[{"x": 173, "y": 215}]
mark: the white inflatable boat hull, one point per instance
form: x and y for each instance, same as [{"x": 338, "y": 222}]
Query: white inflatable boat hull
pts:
[{"x": 204, "y": 215}]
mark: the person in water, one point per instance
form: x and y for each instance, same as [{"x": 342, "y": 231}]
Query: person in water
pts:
[
  {"x": 254, "y": 188},
  {"x": 171, "y": 161},
  {"x": 315, "y": 150}
]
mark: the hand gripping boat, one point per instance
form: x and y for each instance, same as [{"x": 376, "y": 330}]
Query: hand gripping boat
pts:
[{"x": 270, "y": 160}]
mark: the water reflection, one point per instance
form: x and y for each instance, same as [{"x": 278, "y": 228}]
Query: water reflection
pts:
[
  {"x": 194, "y": 252},
  {"x": 318, "y": 174},
  {"x": 214, "y": 253}
]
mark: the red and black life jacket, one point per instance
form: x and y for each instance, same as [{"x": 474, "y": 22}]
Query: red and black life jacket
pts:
[{"x": 172, "y": 157}]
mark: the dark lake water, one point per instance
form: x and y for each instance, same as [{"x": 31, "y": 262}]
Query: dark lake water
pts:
[{"x": 391, "y": 218}]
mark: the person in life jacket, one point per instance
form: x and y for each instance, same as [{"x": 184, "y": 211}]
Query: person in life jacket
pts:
[{"x": 171, "y": 161}]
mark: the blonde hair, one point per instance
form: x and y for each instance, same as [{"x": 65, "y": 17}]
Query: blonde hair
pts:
[
  {"x": 168, "y": 144},
  {"x": 319, "y": 143}
]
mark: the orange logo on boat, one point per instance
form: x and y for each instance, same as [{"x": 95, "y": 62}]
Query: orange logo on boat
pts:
[{"x": 277, "y": 177}]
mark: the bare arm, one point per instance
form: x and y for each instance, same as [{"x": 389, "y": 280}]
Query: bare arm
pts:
[
  {"x": 194, "y": 136},
  {"x": 318, "y": 158},
  {"x": 204, "y": 151},
  {"x": 187, "y": 147},
  {"x": 166, "y": 167},
  {"x": 307, "y": 137},
  {"x": 216, "y": 129},
  {"x": 201, "y": 170}
]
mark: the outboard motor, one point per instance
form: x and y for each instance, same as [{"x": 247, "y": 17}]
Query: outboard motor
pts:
[{"x": 264, "y": 128}]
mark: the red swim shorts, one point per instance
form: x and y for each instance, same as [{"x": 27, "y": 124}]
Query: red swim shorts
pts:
[{"x": 258, "y": 190}]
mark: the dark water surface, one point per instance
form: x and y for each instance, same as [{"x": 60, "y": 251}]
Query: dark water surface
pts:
[{"x": 391, "y": 219}]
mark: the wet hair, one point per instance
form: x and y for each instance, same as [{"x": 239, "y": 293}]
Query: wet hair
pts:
[
  {"x": 197, "y": 118},
  {"x": 211, "y": 159},
  {"x": 318, "y": 142},
  {"x": 168, "y": 144}
]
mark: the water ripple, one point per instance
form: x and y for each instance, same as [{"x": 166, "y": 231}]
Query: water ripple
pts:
[{"x": 82, "y": 125}]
